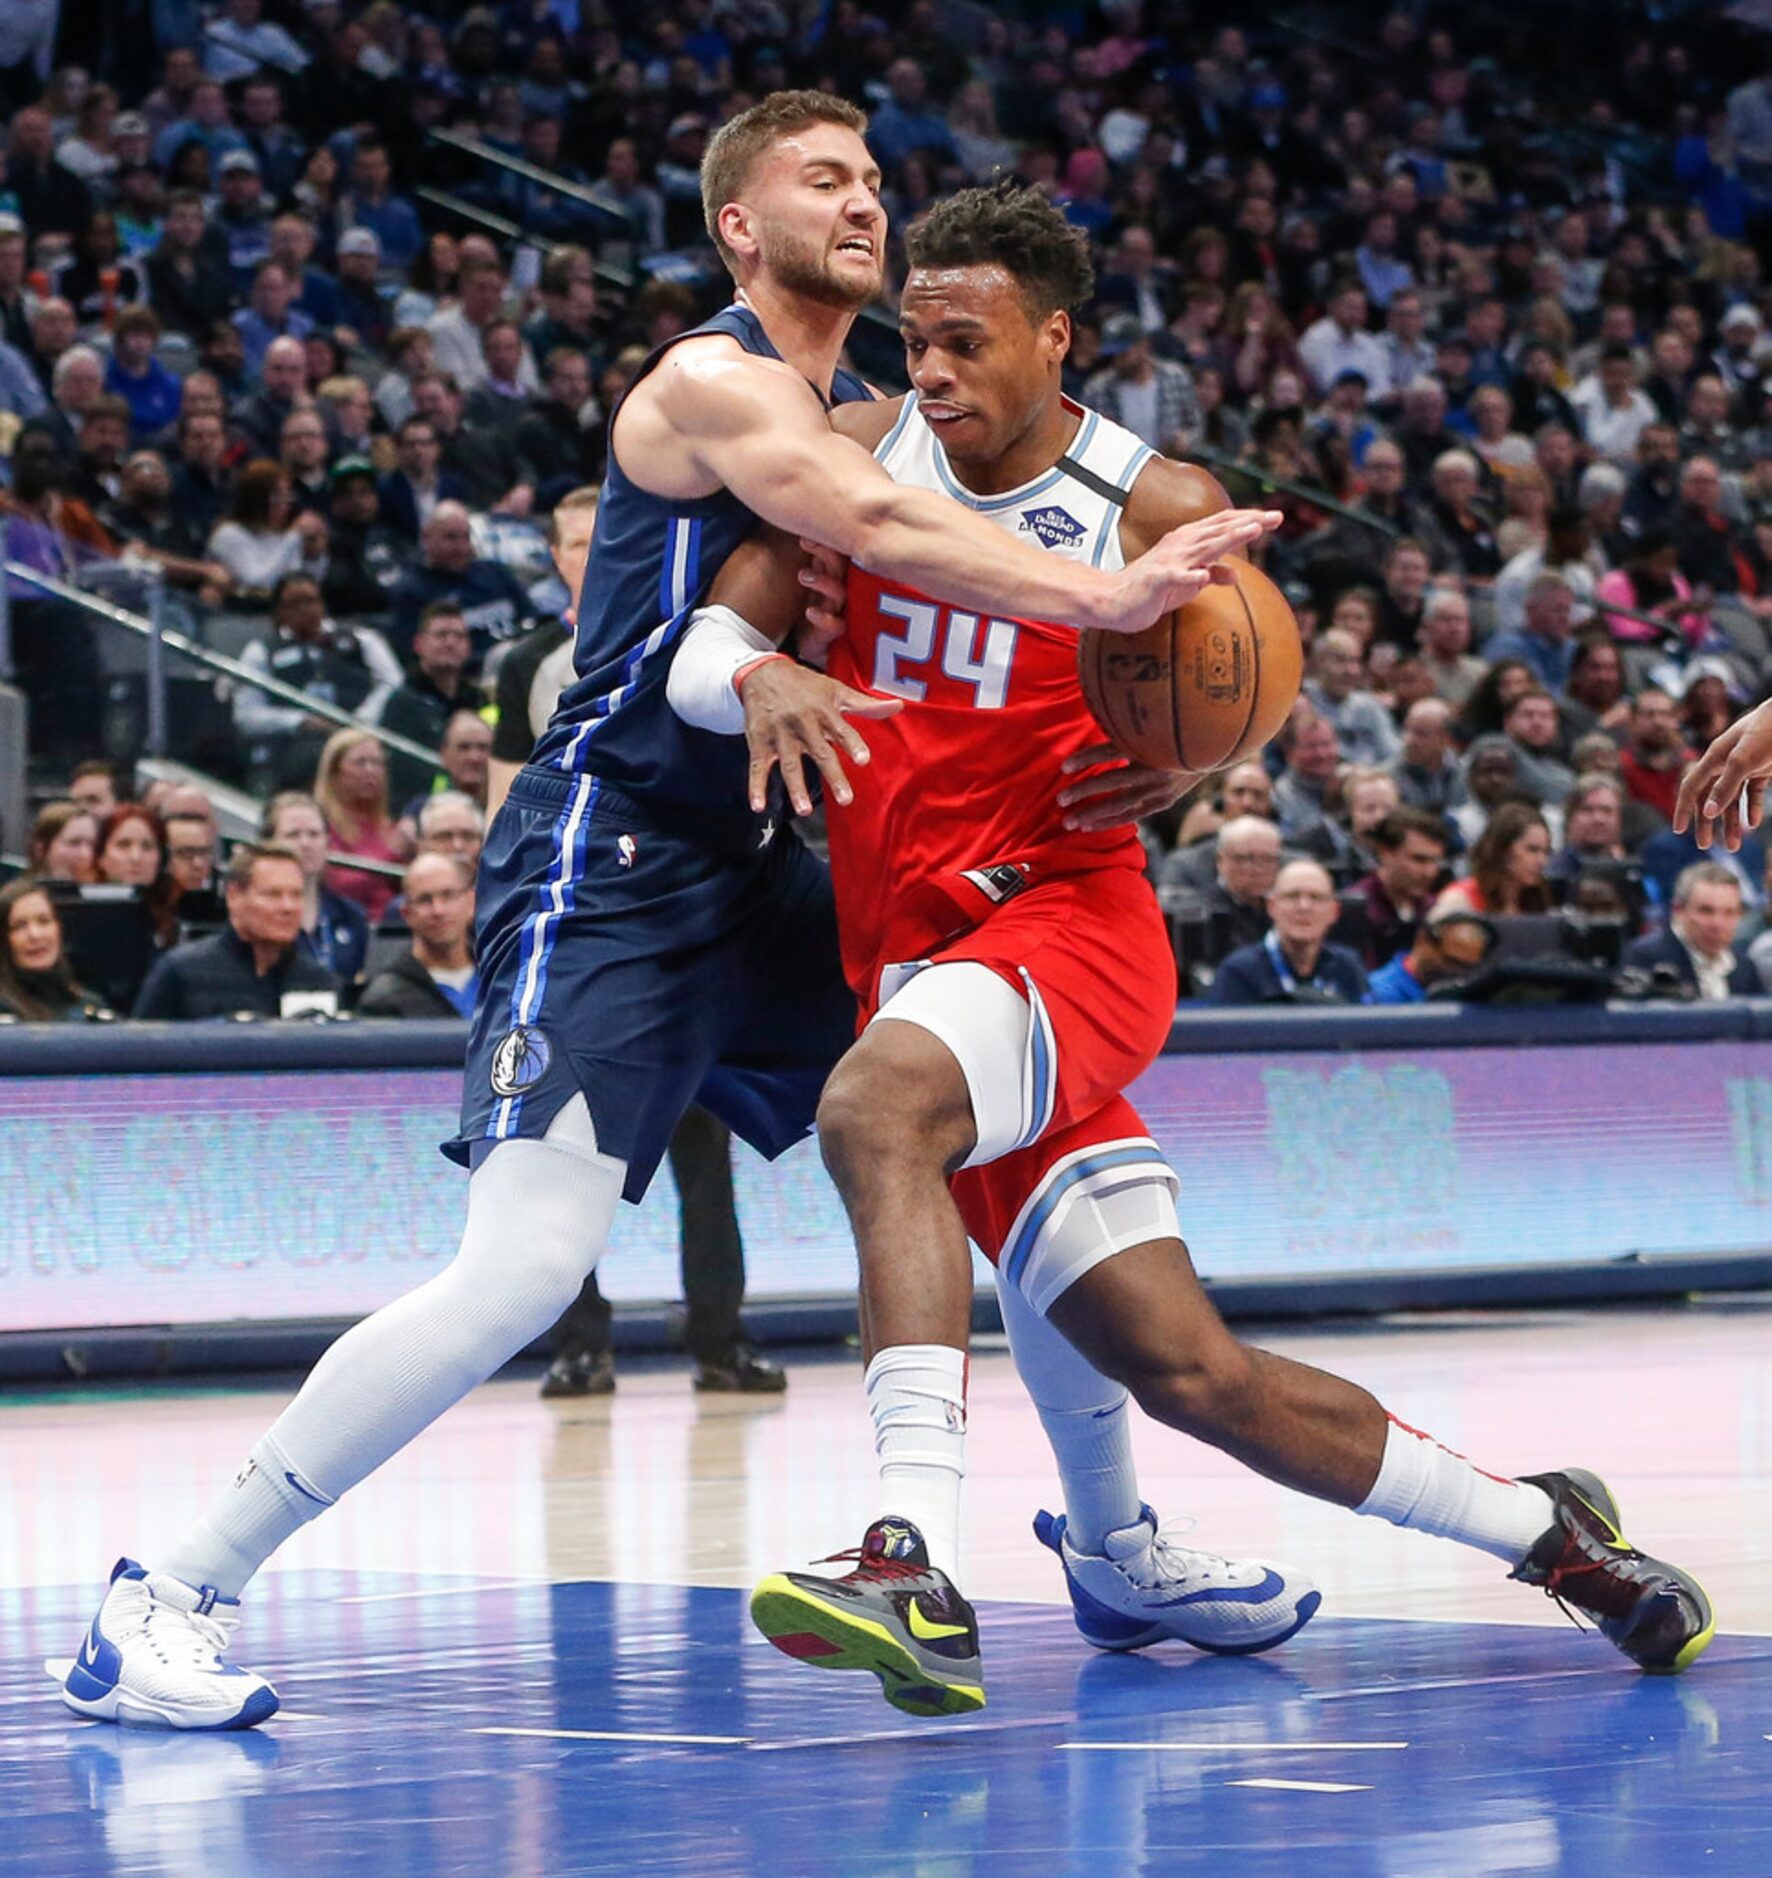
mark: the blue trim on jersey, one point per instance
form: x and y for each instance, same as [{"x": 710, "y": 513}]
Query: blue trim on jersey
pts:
[
  {"x": 989, "y": 505},
  {"x": 554, "y": 900},
  {"x": 1044, "y": 1046},
  {"x": 1015, "y": 1256},
  {"x": 678, "y": 583},
  {"x": 883, "y": 448}
]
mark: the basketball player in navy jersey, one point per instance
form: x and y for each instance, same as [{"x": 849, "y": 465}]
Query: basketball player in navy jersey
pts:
[
  {"x": 646, "y": 937},
  {"x": 1017, "y": 978}
]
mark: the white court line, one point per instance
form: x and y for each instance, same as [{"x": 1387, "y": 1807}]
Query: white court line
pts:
[
  {"x": 1299, "y": 1786},
  {"x": 597, "y": 1734},
  {"x": 461, "y": 1591},
  {"x": 1228, "y": 1747}
]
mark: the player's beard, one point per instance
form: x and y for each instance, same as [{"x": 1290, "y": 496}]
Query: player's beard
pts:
[{"x": 807, "y": 271}]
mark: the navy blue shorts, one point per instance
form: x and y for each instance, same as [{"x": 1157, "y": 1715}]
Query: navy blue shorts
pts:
[{"x": 636, "y": 964}]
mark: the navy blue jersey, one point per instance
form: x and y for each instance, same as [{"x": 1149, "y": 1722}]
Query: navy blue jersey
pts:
[{"x": 652, "y": 562}]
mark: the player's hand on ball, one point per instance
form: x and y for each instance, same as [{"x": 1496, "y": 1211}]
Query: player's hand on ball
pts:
[
  {"x": 1124, "y": 794},
  {"x": 826, "y": 580},
  {"x": 1724, "y": 792},
  {"x": 790, "y": 714},
  {"x": 1181, "y": 566}
]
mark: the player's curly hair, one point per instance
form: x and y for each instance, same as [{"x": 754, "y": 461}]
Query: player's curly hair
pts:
[{"x": 1015, "y": 229}]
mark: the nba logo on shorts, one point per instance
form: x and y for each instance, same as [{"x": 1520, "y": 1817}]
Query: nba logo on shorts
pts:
[{"x": 520, "y": 1061}]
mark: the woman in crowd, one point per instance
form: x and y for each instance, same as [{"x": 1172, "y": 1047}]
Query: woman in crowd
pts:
[
  {"x": 1258, "y": 338},
  {"x": 335, "y": 931},
  {"x": 430, "y": 282},
  {"x": 64, "y": 844},
  {"x": 1495, "y": 693},
  {"x": 1651, "y": 582},
  {"x": 1508, "y": 865},
  {"x": 258, "y": 544},
  {"x": 35, "y": 982},
  {"x": 352, "y": 790},
  {"x": 131, "y": 852}
]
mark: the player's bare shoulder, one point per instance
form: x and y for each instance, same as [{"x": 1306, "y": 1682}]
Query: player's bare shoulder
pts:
[
  {"x": 704, "y": 386},
  {"x": 866, "y": 424},
  {"x": 1166, "y": 495}
]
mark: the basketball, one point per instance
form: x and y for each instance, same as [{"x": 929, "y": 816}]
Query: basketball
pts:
[{"x": 1204, "y": 686}]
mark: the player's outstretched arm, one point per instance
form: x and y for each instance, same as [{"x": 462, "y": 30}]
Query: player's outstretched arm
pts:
[
  {"x": 755, "y": 428},
  {"x": 1724, "y": 792},
  {"x": 729, "y": 664}
]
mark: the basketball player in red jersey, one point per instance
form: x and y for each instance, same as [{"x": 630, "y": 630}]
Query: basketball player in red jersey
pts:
[{"x": 1015, "y": 978}]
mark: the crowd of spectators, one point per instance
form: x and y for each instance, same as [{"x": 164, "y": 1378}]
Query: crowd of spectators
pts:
[{"x": 1478, "y": 299}]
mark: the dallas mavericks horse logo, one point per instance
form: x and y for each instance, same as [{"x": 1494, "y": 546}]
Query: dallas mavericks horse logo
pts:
[{"x": 520, "y": 1061}]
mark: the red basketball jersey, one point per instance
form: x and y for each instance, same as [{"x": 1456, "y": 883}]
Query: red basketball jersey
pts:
[{"x": 965, "y": 780}]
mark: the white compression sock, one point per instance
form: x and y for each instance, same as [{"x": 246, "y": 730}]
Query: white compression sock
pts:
[
  {"x": 1428, "y": 1488},
  {"x": 917, "y": 1397},
  {"x": 1085, "y": 1418},
  {"x": 539, "y": 1214}
]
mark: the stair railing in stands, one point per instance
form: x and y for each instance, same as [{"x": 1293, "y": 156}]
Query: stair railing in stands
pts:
[{"x": 162, "y": 639}]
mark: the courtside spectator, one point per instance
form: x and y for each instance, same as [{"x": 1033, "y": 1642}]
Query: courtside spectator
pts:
[
  {"x": 251, "y": 967},
  {"x": 1450, "y": 945},
  {"x": 351, "y": 786},
  {"x": 334, "y": 931},
  {"x": 1508, "y": 864},
  {"x": 93, "y": 786},
  {"x": 466, "y": 757},
  {"x": 1395, "y": 897},
  {"x": 435, "y": 976},
  {"x": 36, "y": 984},
  {"x": 63, "y": 844},
  {"x": 1698, "y": 945},
  {"x": 452, "y": 823},
  {"x": 1294, "y": 963}
]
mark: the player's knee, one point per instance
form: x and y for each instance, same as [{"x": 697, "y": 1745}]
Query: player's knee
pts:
[
  {"x": 897, "y": 1097},
  {"x": 1206, "y": 1391}
]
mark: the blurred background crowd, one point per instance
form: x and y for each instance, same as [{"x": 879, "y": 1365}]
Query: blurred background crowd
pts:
[{"x": 312, "y": 314}]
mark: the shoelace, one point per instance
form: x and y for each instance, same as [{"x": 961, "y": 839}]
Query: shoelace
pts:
[
  {"x": 1605, "y": 1564},
  {"x": 884, "y": 1567},
  {"x": 186, "y": 1633},
  {"x": 1175, "y": 1564}
]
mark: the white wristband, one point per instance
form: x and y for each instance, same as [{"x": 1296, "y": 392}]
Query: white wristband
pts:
[{"x": 717, "y": 646}]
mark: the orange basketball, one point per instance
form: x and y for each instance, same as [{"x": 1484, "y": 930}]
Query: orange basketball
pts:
[{"x": 1204, "y": 687}]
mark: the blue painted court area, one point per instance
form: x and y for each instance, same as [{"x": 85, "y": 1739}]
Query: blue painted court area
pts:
[{"x": 448, "y": 1726}]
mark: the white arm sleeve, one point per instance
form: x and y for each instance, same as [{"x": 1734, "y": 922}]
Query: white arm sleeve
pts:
[{"x": 715, "y": 649}]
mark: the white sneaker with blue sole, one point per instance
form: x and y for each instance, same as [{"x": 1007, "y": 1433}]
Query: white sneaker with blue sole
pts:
[
  {"x": 1143, "y": 1589},
  {"x": 152, "y": 1658}
]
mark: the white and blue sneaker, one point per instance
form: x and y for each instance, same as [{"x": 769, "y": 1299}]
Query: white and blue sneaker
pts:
[
  {"x": 1143, "y": 1588},
  {"x": 152, "y": 1658}
]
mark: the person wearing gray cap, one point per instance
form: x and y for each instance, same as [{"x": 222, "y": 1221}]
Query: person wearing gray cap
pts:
[{"x": 361, "y": 304}]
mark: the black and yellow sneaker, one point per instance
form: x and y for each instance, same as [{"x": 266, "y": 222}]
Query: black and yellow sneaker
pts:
[
  {"x": 895, "y": 1615},
  {"x": 1656, "y": 1614}
]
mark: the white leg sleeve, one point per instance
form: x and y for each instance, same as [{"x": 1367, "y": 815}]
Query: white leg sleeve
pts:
[
  {"x": 1084, "y": 1415},
  {"x": 539, "y": 1214}
]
